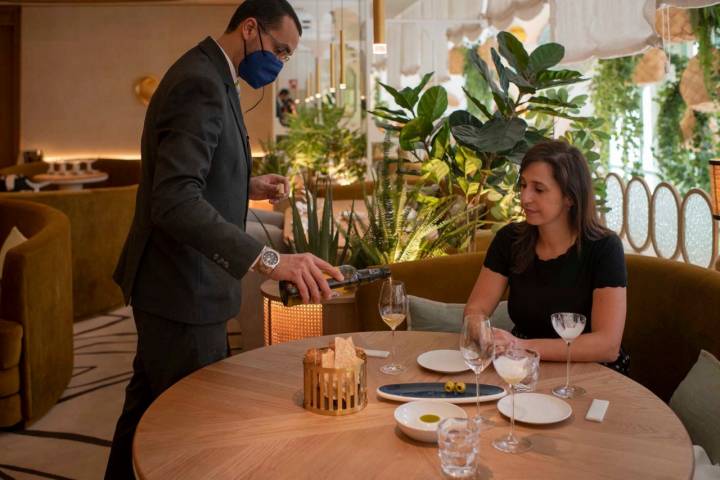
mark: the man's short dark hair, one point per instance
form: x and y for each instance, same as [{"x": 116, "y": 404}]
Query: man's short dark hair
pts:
[
  {"x": 284, "y": 91},
  {"x": 268, "y": 13}
]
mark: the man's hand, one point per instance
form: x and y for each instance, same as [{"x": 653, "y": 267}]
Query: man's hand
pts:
[
  {"x": 306, "y": 272},
  {"x": 269, "y": 187}
]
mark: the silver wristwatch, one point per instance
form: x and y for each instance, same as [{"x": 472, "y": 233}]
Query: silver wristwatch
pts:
[{"x": 268, "y": 260}]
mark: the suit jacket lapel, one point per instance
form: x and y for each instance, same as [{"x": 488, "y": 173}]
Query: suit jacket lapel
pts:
[{"x": 217, "y": 57}]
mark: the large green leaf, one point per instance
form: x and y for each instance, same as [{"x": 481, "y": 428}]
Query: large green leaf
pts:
[
  {"x": 436, "y": 170},
  {"x": 496, "y": 135},
  {"x": 398, "y": 96},
  {"x": 545, "y": 56},
  {"x": 500, "y": 68},
  {"x": 415, "y": 131},
  {"x": 463, "y": 117},
  {"x": 389, "y": 116},
  {"x": 440, "y": 141},
  {"x": 433, "y": 103},
  {"x": 411, "y": 97},
  {"x": 512, "y": 49},
  {"x": 556, "y": 78},
  {"x": 552, "y": 101},
  {"x": 481, "y": 106},
  {"x": 485, "y": 71},
  {"x": 555, "y": 113},
  {"x": 423, "y": 82}
]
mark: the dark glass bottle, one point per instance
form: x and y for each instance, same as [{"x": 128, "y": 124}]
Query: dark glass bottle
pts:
[{"x": 290, "y": 294}]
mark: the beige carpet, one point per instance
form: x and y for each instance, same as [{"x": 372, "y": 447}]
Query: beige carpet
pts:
[{"x": 72, "y": 441}]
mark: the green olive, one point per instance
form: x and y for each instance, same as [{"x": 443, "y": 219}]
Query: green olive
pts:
[
  {"x": 449, "y": 386},
  {"x": 460, "y": 387}
]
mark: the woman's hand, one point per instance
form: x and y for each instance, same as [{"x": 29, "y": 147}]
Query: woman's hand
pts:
[{"x": 503, "y": 337}]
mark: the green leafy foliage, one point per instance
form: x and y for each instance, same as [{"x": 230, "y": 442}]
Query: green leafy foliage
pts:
[
  {"x": 706, "y": 26},
  {"x": 322, "y": 236},
  {"x": 682, "y": 164},
  {"x": 618, "y": 103},
  {"x": 319, "y": 142},
  {"x": 274, "y": 161}
]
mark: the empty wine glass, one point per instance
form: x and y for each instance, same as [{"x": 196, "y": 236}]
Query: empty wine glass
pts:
[
  {"x": 393, "y": 305},
  {"x": 513, "y": 365},
  {"x": 478, "y": 349},
  {"x": 569, "y": 326}
]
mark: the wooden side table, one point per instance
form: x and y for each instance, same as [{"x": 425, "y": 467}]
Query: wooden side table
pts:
[
  {"x": 71, "y": 181},
  {"x": 284, "y": 324}
]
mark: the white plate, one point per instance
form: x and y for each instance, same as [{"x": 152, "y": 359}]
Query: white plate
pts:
[
  {"x": 536, "y": 408},
  {"x": 408, "y": 416},
  {"x": 435, "y": 392},
  {"x": 445, "y": 361}
]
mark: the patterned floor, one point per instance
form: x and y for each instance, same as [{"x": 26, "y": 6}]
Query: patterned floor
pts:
[{"x": 72, "y": 441}]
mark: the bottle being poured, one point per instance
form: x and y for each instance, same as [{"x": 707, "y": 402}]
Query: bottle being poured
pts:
[{"x": 290, "y": 294}]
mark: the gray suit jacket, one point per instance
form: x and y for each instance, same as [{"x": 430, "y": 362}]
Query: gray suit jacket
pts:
[{"x": 187, "y": 248}]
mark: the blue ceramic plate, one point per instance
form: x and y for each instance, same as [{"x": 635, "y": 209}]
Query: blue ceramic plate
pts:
[{"x": 407, "y": 392}]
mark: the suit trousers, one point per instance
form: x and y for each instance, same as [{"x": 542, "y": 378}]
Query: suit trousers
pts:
[{"x": 166, "y": 352}]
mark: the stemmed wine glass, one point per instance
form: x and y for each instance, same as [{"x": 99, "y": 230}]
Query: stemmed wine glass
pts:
[
  {"x": 393, "y": 305},
  {"x": 569, "y": 326},
  {"x": 478, "y": 349},
  {"x": 513, "y": 365}
]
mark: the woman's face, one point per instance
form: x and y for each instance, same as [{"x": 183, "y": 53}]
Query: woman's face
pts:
[{"x": 541, "y": 197}]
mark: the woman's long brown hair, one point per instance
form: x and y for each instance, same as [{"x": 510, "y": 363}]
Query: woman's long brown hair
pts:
[{"x": 571, "y": 172}]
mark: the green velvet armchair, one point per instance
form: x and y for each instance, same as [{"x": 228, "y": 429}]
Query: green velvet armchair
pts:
[{"x": 36, "y": 312}]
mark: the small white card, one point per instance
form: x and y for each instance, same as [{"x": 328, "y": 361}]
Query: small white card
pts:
[
  {"x": 377, "y": 353},
  {"x": 597, "y": 410}
]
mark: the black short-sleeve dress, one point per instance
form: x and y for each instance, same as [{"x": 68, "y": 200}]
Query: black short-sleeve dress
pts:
[{"x": 562, "y": 284}]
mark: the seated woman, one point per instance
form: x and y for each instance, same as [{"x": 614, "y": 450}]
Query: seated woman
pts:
[{"x": 560, "y": 259}]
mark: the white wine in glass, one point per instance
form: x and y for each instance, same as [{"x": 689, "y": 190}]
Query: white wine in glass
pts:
[
  {"x": 393, "y": 306},
  {"x": 513, "y": 365},
  {"x": 477, "y": 348},
  {"x": 569, "y": 326}
]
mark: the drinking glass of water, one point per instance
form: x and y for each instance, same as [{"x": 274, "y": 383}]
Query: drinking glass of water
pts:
[{"x": 458, "y": 447}]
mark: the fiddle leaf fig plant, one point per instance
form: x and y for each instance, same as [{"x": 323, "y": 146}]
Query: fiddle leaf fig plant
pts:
[{"x": 467, "y": 155}]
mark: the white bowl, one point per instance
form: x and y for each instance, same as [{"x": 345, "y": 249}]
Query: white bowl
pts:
[{"x": 408, "y": 416}]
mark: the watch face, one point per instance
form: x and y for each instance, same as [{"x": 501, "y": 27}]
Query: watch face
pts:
[{"x": 270, "y": 258}]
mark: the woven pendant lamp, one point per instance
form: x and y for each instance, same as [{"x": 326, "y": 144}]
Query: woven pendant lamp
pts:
[
  {"x": 456, "y": 60},
  {"x": 692, "y": 88},
  {"x": 651, "y": 67},
  {"x": 687, "y": 125},
  {"x": 674, "y": 25},
  {"x": 484, "y": 51}
]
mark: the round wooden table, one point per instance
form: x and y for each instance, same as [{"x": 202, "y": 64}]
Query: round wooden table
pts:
[{"x": 243, "y": 418}]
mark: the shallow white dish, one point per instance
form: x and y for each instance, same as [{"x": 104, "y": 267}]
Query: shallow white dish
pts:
[
  {"x": 408, "y": 416},
  {"x": 445, "y": 361},
  {"x": 536, "y": 408}
]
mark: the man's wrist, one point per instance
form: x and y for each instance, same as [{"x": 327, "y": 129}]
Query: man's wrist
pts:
[{"x": 266, "y": 262}]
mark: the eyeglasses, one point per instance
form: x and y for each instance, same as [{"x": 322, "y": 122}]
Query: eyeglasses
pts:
[{"x": 281, "y": 50}]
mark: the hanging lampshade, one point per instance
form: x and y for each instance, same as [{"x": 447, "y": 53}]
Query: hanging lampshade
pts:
[
  {"x": 519, "y": 32},
  {"x": 333, "y": 78},
  {"x": 673, "y": 24},
  {"x": 343, "y": 84},
  {"x": 379, "y": 45},
  {"x": 651, "y": 67},
  {"x": 692, "y": 88},
  {"x": 456, "y": 60},
  {"x": 715, "y": 187}
]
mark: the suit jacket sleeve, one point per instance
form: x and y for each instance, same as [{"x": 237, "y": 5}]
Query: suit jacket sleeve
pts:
[{"x": 189, "y": 128}]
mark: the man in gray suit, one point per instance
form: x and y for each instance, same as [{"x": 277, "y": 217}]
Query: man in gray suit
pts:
[{"x": 187, "y": 249}]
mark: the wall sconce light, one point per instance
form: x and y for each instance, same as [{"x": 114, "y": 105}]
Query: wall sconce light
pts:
[
  {"x": 715, "y": 188},
  {"x": 144, "y": 88},
  {"x": 379, "y": 45}
]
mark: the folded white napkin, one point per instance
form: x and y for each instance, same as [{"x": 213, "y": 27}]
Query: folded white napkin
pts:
[{"x": 377, "y": 353}]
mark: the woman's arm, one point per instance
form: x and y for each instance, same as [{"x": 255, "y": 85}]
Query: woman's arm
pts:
[
  {"x": 601, "y": 345},
  {"x": 486, "y": 293}
]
